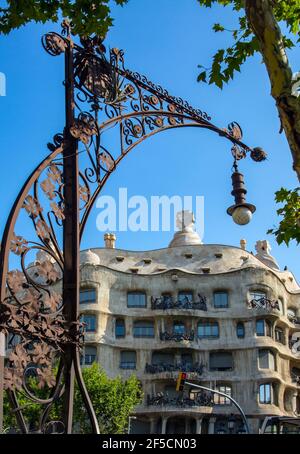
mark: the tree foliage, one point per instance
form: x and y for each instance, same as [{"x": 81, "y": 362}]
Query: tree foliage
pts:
[
  {"x": 244, "y": 43},
  {"x": 113, "y": 400},
  {"x": 270, "y": 27},
  {"x": 289, "y": 226},
  {"x": 87, "y": 16}
]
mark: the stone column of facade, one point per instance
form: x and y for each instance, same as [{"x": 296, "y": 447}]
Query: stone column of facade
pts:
[
  {"x": 253, "y": 425},
  {"x": 164, "y": 421},
  {"x": 153, "y": 422},
  {"x": 211, "y": 425},
  {"x": 187, "y": 429},
  {"x": 199, "y": 425}
]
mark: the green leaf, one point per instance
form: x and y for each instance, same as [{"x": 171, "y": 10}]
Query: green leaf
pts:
[{"x": 218, "y": 28}]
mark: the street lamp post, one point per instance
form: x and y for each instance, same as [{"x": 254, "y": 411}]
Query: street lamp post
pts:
[{"x": 101, "y": 95}]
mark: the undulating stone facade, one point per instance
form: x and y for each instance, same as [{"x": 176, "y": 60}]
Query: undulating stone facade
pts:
[{"x": 225, "y": 316}]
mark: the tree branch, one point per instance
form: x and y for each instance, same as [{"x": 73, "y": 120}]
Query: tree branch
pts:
[{"x": 262, "y": 21}]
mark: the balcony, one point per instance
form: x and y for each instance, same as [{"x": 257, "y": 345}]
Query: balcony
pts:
[
  {"x": 177, "y": 337},
  {"x": 201, "y": 399},
  {"x": 164, "y": 303},
  {"x": 264, "y": 303},
  {"x": 183, "y": 367}
]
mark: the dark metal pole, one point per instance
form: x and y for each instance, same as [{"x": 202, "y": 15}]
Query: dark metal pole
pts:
[
  {"x": 2, "y": 356},
  {"x": 70, "y": 237}
]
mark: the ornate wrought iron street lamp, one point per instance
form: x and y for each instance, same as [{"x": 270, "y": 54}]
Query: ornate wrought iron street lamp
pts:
[{"x": 39, "y": 309}]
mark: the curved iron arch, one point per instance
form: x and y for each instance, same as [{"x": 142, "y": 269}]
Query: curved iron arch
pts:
[{"x": 57, "y": 197}]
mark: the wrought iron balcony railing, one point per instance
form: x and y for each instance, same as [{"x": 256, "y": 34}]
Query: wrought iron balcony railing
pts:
[
  {"x": 201, "y": 399},
  {"x": 293, "y": 319},
  {"x": 263, "y": 303},
  {"x": 295, "y": 378},
  {"x": 183, "y": 367},
  {"x": 294, "y": 345},
  {"x": 169, "y": 303},
  {"x": 177, "y": 337}
]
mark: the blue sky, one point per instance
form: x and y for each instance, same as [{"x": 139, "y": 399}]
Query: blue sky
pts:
[{"x": 165, "y": 40}]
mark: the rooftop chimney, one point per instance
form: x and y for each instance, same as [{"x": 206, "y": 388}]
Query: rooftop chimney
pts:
[
  {"x": 243, "y": 244},
  {"x": 110, "y": 240}
]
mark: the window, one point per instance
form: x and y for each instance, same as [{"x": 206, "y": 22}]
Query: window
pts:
[
  {"x": 281, "y": 307},
  {"x": 257, "y": 295},
  {"x": 128, "y": 360},
  {"x": 279, "y": 335},
  {"x": 178, "y": 328},
  {"x": 266, "y": 359},
  {"x": 90, "y": 354},
  {"x": 120, "y": 328},
  {"x": 90, "y": 322},
  {"x": 87, "y": 296},
  {"x": 185, "y": 296},
  {"x": 187, "y": 359},
  {"x": 162, "y": 358},
  {"x": 166, "y": 297},
  {"x": 220, "y": 299},
  {"x": 263, "y": 328},
  {"x": 222, "y": 400},
  {"x": 208, "y": 329},
  {"x": 266, "y": 393},
  {"x": 220, "y": 361},
  {"x": 136, "y": 299},
  {"x": 291, "y": 314},
  {"x": 143, "y": 328},
  {"x": 240, "y": 330}
]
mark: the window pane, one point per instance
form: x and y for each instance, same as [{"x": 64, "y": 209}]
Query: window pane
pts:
[
  {"x": 178, "y": 328},
  {"x": 260, "y": 327},
  {"x": 215, "y": 330},
  {"x": 90, "y": 322},
  {"x": 128, "y": 360},
  {"x": 185, "y": 296},
  {"x": 256, "y": 295},
  {"x": 90, "y": 354},
  {"x": 136, "y": 299},
  {"x": 187, "y": 358},
  {"x": 263, "y": 359},
  {"x": 265, "y": 393},
  {"x": 222, "y": 400},
  {"x": 201, "y": 330},
  {"x": 162, "y": 358},
  {"x": 279, "y": 337},
  {"x": 240, "y": 330},
  {"x": 208, "y": 329},
  {"x": 143, "y": 329},
  {"x": 120, "y": 328},
  {"x": 87, "y": 296},
  {"x": 220, "y": 361},
  {"x": 221, "y": 299}
]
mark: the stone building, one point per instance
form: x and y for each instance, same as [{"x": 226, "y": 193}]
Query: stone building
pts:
[{"x": 225, "y": 316}]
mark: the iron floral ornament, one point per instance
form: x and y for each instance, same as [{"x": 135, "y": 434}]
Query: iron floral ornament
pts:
[{"x": 40, "y": 274}]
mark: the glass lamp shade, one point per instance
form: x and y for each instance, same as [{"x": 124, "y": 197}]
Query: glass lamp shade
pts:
[{"x": 242, "y": 215}]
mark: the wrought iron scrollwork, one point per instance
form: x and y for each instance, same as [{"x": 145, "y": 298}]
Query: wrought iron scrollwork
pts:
[{"x": 201, "y": 399}]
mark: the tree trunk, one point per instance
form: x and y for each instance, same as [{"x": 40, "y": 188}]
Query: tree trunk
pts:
[{"x": 261, "y": 19}]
